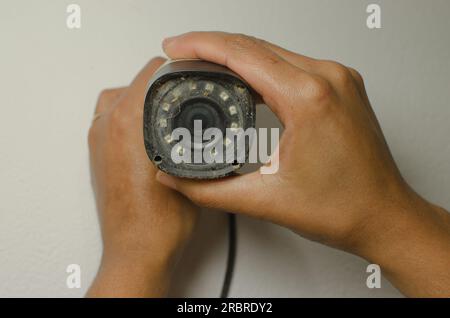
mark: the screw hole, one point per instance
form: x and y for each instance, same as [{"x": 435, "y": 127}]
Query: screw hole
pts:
[{"x": 157, "y": 159}]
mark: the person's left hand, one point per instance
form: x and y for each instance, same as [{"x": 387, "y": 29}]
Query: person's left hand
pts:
[{"x": 144, "y": 224}]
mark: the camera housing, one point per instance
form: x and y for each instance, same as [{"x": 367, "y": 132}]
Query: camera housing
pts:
[{"x": 183, "y": 93}]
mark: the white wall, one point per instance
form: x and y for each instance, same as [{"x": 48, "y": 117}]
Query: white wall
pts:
[{"x": 50, "y": 77}]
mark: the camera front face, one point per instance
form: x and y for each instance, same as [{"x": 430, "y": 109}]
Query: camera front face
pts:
[{"x": 188, "y": 103}]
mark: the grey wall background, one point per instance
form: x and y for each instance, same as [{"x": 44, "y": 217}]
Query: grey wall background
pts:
[{"x": 50, "y": 77}]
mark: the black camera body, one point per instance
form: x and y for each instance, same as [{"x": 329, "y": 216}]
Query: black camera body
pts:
[{"x": 184, "y": 93}]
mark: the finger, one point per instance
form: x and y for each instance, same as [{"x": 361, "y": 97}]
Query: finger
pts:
[
  {"x": 108, "y": 98},
  {"x": 277, "y": 81},
  {"x": 360, "y": 83},
  {"x": 311, "y": 65},
  {"x": 240, "y": 193},
  {"x": 330, "y": 70},
  {"x": 139, "y": 83},
  {"x": 306, "y": 63},
  {"x": 134, "y": 96}
]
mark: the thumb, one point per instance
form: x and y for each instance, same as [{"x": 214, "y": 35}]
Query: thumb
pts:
[{"x": 239, "y": 193}]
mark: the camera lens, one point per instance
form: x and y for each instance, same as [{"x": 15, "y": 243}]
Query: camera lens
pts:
[
  {"x": 203, "y": 109},
  {"x": 183, "y": 94}
]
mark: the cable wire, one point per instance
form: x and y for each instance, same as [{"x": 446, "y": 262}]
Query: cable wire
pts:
[{"x": 231, "y": 259}]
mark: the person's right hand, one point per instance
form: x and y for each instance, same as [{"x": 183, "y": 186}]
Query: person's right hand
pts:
[
  {"x": 337, "y": 181},
  {"x": 335, "y": 168}
]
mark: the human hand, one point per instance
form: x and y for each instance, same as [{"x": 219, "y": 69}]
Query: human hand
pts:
[
  {"x": 334, "y": 162},
  {"x": 144, "y": 224},
  {"x": 337, "y": 181}
]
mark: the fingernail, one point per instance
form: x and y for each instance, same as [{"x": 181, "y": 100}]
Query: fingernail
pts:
[
  {"x": 168, "y": 40},
  {"x": 165, "y": 179}
]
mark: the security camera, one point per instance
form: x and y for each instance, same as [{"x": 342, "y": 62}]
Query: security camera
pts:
[{"x": 194, "y": 115}]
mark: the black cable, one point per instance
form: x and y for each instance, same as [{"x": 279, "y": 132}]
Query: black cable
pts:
[{"x": 232, "y": 241}]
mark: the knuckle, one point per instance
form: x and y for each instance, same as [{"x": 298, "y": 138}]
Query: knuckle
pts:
[
  {"x": 240, "y": 42},
  {"x": 271, "y": 59},
  {"x": 199, "y": 198},
  {"x": 107, "y": 98},
  {"x": 317, "y": 89},
  {"x": 109, "y": 95},
  {"x": 120, "y": 118},
  {"x": 127, "y": 109},
  {"x": 105, "y": 95},
  {"x": 123, "y": 119},
  {"x": 202, "y": 198},
  {"x": 356, "y": 75},
  {"x": 339, "y": 73},
  {"x": 245, "y": 44}
]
